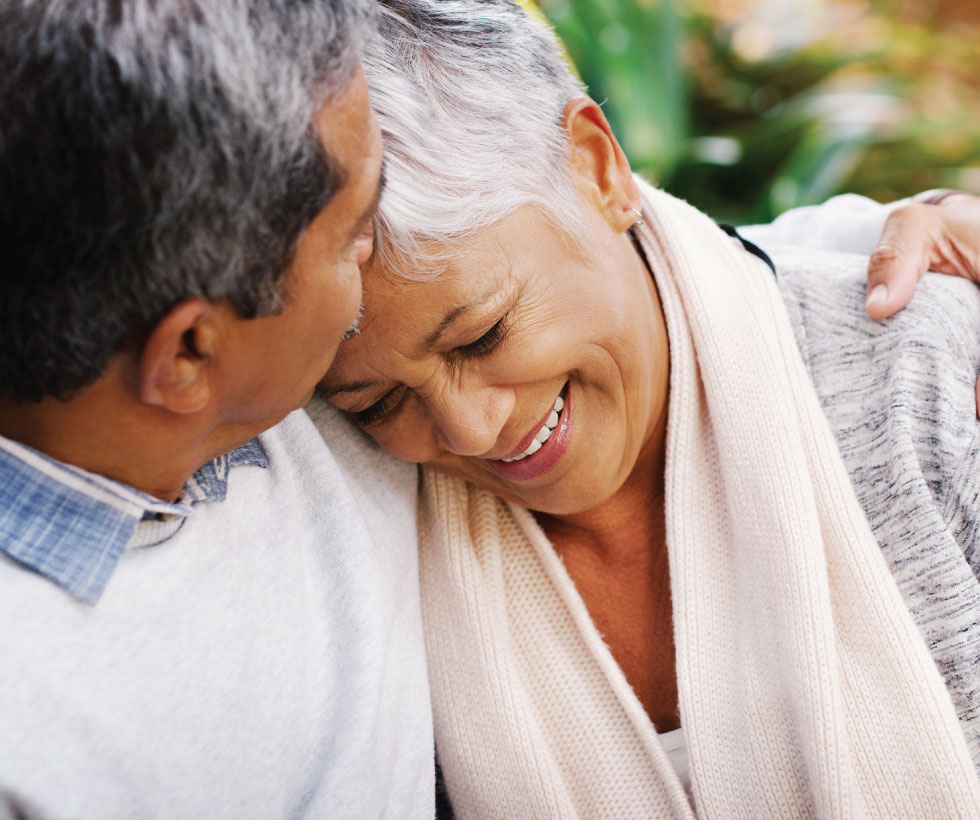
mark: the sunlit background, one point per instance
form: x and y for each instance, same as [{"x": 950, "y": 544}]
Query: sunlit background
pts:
[{"x": 749, "y": 107}]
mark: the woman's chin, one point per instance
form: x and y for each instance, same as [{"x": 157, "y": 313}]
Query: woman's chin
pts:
[
  {"x": 569, "y": 473},
  {"x": 564, "y": 503},
  {"x": 564, "y": 497}
]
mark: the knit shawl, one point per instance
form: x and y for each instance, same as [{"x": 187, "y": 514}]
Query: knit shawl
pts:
[{"x": 805, "y": 689}]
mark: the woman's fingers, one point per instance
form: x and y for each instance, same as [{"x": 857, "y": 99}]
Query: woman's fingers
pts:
[
  {"x": 943, "y": 237},
  {"x": 899, "y": 260}
]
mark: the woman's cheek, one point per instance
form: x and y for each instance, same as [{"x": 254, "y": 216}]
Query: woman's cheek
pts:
[
  {"x": 408, "y": 437},
  {"x": 527, "y": 357}
]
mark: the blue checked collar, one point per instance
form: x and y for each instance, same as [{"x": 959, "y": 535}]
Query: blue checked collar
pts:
[{"x": 72, "y": 526}]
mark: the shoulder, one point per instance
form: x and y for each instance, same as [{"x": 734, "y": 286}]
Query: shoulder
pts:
[
  {"x": 385, "y": 488},
  {"x": 899, "y": 390},
  {"x": 52, "y": 740},
  {"x": 824, "y": 293},
  {"x": 899, "y": 393},
  {"x": 846, "y": 223},
  {"x": 353, "y": 449}
]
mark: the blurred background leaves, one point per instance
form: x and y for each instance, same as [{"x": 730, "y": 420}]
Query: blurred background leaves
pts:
[{"x": 749, "y": 107}]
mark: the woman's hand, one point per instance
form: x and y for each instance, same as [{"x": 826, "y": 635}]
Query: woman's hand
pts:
[
  {"x": 940, "y": 232},
  {"x": 918, "y": 237}
]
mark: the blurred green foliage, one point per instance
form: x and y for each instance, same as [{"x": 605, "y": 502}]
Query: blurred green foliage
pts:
[{"x": 747, "y": 108}]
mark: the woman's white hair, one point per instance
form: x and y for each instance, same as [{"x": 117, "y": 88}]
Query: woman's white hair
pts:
[{"x": 470, "y": 96}]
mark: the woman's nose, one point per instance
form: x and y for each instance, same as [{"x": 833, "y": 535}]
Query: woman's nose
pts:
[{"x": 468, "y": 422}]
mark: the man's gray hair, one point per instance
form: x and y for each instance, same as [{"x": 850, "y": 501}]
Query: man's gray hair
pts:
[
  {"x": 153, "y": 150},
  {"x": 470, "y": 96}
]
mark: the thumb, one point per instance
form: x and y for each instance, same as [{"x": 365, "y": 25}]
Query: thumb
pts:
[{"x": 901, "y": 257}]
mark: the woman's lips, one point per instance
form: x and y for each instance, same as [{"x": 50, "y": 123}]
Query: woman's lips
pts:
[
  {"x": 545, "y": 458},
  {"x": 532, "y": 435}
]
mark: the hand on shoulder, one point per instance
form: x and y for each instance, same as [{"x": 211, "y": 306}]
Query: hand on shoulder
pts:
[{"x": 936, "y": 231}]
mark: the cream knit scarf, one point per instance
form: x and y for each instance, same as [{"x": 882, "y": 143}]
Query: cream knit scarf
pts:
[{"x": 805, "y": 689}]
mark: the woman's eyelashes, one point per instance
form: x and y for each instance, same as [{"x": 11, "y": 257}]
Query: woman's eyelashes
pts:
[
  {"x": 486, "y": 344},
  {"x": 379, "y": 410}
]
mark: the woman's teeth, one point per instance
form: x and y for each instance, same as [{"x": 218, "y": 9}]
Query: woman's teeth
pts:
[{"x": 544, "y": 433}]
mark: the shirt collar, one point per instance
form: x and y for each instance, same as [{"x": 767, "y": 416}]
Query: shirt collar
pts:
[
  {"x": 210, "y": 483},
  {"x": 72, "y": 526}
]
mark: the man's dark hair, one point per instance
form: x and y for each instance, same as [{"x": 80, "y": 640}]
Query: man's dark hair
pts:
[{"x": 153, "y": 150}]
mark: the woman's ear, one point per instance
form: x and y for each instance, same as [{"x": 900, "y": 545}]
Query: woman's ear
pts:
[
  {"x": 600, "y": 167},
  {"x": 176, "y": 362}
]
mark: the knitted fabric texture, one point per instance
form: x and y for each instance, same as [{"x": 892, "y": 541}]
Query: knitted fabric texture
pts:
[{"x": 805, "y": 688}]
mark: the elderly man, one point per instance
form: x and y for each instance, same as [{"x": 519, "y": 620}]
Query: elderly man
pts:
[
  {"x": 184, "y": 190},
  {"x": 238, "y": 639}
]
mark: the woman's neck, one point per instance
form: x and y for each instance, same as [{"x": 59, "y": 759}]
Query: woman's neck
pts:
[
  {"x": 616, "y": 555},
  {"x": 625, "y": 527}
]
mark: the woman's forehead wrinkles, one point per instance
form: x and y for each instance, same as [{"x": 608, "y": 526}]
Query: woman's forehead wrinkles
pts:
[{"x": 454, "y": 310}]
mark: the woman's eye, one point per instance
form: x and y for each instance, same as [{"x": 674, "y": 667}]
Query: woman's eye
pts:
[
  {"x": 378, "y": 411},
  {"x": 486, "y": 343}
]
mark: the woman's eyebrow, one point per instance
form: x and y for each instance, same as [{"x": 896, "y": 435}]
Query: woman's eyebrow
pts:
[
  {"x": 453, "y": 315},
  {"x": 447, "y": 320}
]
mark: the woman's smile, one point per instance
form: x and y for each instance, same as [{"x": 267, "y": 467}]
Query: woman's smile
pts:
[{"x": 543, "y": 447}]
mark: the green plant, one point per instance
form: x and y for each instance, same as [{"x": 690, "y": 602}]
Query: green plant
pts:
[{"x": 745, "y": 127}]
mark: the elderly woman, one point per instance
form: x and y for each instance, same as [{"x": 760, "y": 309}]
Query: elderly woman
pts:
[{"x": 650, "y": 587}]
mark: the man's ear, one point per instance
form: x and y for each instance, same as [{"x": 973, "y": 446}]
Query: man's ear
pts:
[
  {"x": 175, "y": 366},
  {"x": 601, "y": 169}
]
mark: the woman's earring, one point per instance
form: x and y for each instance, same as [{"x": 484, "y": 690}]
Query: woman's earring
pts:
[{"x": 639, "y": 217}]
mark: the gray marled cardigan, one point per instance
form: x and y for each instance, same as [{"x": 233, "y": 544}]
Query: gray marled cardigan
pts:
[{"x": 899, "y": 395}]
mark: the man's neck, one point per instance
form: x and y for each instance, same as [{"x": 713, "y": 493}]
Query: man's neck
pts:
[{"x": 113, "y": 436}]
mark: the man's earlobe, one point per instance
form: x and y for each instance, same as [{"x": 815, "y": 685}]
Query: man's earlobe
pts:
[
  {"x": 175, "y": 367},
  {"x": 599, "y": 164}
]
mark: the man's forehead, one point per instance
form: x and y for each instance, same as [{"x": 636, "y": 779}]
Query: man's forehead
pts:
[
  {"x": 345, "y": 122},
  {"x": 349, "y": 133}
]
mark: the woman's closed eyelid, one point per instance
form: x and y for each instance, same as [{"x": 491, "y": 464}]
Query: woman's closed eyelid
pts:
[
  {"x": 486, "y": 343},
  {"x": 377, "y": 411}
]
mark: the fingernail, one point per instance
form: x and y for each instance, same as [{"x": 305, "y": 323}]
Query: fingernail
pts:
[{"x": 878, "y": 294}]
